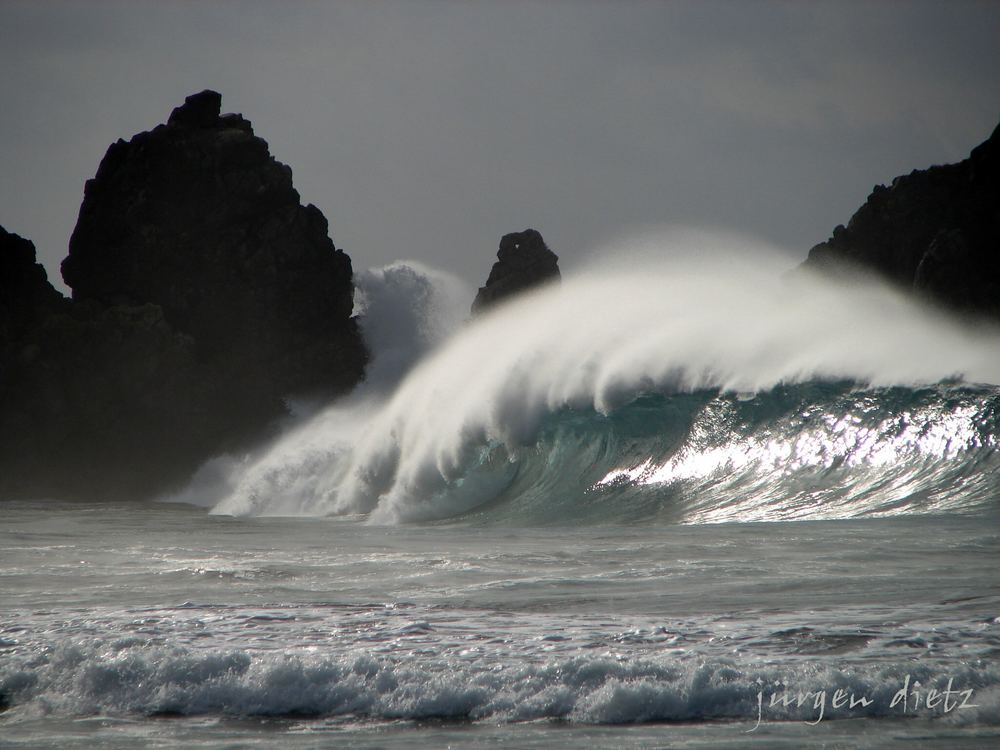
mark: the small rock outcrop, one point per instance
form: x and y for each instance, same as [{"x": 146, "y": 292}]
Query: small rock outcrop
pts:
[
  {"x": 524, "y": 261},
  {"x": 204, "y": 296},
  {"x": 935, "y": 231}
]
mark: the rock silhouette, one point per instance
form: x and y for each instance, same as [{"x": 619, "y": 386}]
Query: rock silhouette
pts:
[
  {"x": 524, "y": 261},
  {"x": 198, "y": 218},
  {"x": 26, "y": 296},
  {"x": 935, "y": 231},
  {"x": 204, "y": 295}
]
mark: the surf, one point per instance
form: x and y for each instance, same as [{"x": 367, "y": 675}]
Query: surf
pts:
[{"x": 689, "y": 379}]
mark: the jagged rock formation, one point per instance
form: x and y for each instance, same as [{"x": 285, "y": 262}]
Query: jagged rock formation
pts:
[
  {"x": 198, "y": 218},
  {"x": 204, "y": 295},
  {"x": 524, "y": 261},
  {"x": 936, "y": 231},
  {"x": 26, "y": 295}
]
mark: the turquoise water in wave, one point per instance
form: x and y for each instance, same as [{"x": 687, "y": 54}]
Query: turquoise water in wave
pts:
[{"x": 161, "y": 625}]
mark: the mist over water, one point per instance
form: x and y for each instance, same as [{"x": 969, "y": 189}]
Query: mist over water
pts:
[
  {"x": 406, "y": 309},
  {"x": 541, "y": 403}
]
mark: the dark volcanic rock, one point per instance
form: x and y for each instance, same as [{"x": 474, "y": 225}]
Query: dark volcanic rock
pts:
[
  {"x": 198, "y": 110},
  {"x": 108, "y": 403},
  {"x": 936, "y": 231},
  {"x": 204, "y": 295},
  {"x": 26, "y": 296},
  {"x": 197, "y": 217},
  {"x": 525, "y": 261}
]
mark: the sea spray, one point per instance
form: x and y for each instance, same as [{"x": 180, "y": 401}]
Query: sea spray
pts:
[
  {"x": 139, "y": 678},
  {"x": 405, "y": 309},
  {"x": 731, "y": 324}
]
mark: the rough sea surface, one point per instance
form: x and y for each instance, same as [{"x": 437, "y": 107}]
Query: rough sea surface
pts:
[
  {"x": 163, "y": 626},
  {"x": 676, "y": 508}
]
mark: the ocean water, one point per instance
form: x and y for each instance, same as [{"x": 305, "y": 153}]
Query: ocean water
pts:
[
  {"x": 165, "y": 626},
  {"x": 694, "y": 507}
]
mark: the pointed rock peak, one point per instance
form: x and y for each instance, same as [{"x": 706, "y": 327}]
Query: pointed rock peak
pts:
[
  {"x": 988, "y": 150},
  {"x": 526, "y": 246},
  {"x": 198, "y": 110},
  {"x": 523, "y": 261}
]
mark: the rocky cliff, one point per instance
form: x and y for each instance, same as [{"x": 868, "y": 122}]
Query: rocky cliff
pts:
[
  {"x": 204, "y": 296},
  {"x": 26, "y": 296},
  {"x": 524, "y": 261},
  {"x": 935, "y": 231}
]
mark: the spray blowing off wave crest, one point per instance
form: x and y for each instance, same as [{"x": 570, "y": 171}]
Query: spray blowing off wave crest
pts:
[
  {"x": 456, "y": 432},
  {"x": 405, "y": 310}
]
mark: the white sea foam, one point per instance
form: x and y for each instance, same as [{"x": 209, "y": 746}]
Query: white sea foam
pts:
[
  {"x": 406, "y": 309},
  {"x": 129, "y": 678},
  {"x": 724, "y": 316}
]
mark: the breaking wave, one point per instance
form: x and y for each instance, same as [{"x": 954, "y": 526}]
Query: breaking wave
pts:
[
  {"x": 681, "y": 392},
  {"x": 138, "y": 679}
]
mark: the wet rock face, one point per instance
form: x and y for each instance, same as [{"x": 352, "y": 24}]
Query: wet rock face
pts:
[
  {"x": 198, "y": 218},
  {"x": 204, "y": 295},
  {"x": 935, "y": 231},
  {"x": 524, "y": 261}
]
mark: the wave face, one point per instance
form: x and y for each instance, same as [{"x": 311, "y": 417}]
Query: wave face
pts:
[
  {"x": 683, "y": 392},
  {"x": 795, "y": 452}
]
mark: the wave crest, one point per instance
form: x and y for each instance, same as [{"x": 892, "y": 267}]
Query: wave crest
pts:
[{"x": 592, "y": 346}]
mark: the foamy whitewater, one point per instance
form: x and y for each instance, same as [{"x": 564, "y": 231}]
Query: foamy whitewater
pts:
[{"x": 699, "y": 502}]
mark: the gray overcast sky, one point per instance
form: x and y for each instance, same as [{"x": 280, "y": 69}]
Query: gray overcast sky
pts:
[{"x": 426, "y": 129}]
